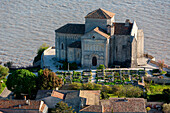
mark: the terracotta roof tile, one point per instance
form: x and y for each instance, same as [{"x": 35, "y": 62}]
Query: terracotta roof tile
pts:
[
  {"x": 100, "y": 14},
  {"x": 119, "y": 105},
  {"x": 92, "y": 108},
  {"x": 19, "y": 104},
  {"x": 121, "y": 29},
  {"x": 57, "y": 94},
  {"x": 101, "y": 32}
]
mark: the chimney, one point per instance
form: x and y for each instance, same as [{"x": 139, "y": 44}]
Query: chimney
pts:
[{"x": 127, "y": 22}]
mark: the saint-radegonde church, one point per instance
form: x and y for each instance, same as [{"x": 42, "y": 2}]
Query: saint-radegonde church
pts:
[{"x": 100, "y": 40}]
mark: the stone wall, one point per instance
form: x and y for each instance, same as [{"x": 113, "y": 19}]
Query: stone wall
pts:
[
  {"x": 140, "y": 48},
  {"x": 74, "y": 55},
  {"x": 120, "y": 48},
  {"x": 65, "y": 40},
  {"x": 158, "y": 80},
  {"x": 90, "y": 23},
  {"x": 94, "y": 47}
]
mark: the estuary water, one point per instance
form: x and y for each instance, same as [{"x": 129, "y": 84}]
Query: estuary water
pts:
[{"x": 26, "y": 24}]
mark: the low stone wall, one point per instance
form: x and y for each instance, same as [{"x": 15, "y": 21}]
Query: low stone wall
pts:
[{"x": 158, "y": 80}]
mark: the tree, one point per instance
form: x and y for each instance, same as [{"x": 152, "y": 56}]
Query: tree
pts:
[
  {"x": 88, "y": 86},
  {"x": 161, "y": 64},
  {"x": 104, "y": 95},
  {"x": 3, "y": 71},
  {"x": 48, "y": 80},
  {"x": 21, "y": 81},
  {"x": 166, "y": 95},
  {"x": 8, "y": 64},
  {"x": 97, "y": 86},
  {"x": 166, "y": 108},
  {"x": 40, "y": 51},
  {"x": 62, "y": 107},
  {"x": 129, "y": 91},
  {"x": 75, "y": 86}
]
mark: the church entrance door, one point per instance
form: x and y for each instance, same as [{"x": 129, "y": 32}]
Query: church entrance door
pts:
[{"x": 94, "y": 61}]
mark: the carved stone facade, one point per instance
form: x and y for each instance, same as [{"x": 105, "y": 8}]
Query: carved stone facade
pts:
[{"x": 100, "y": 41}]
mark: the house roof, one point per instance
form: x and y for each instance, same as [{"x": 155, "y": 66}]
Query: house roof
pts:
[
  {"x": 124, "y": 105},
  {"x": 57, "y": 94},
  {"x": 72, "y": 29},
  {"x": 121, "y": 29},
  {"x": 117, "y": 105},
  {"x": 100, "y": 14},
  {"x": 76, "y": 44},
  {"x": 21, "y": 104},
  {"x": 43, "y": 93},
  {"x": 61, "y": 94},
  {"x": 92, "y": 108},
  {"x": 101, "y": 32}
]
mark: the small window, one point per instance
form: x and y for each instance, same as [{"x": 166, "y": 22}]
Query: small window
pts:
[
  {"x": 93, "y": 37},
  {"x": 62, "y": 46},
  {"x": 124, "y": 46}
]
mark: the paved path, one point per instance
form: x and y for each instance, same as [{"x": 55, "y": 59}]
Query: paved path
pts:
[
  {"x": 93, "y": 80},
  {"x": 6, "y": 93}
]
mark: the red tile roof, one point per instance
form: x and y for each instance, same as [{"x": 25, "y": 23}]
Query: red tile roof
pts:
[
  {"x": 121, "y": 29},
  {"x": 92, "y": 108},
  {"x": 19, "y": 104},
  {"x": 119, "y": 105},
  {"x": 100, "y": 14},
  {"x": 57, "y": 94}
]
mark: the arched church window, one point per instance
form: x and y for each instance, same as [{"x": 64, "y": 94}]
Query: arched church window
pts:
[{"x": 62, "y": 46}]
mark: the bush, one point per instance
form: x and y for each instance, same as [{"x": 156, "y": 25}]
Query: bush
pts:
[
  {"x": 101, "y": 66},
  {"x": 155, "y": 71},
  {"x": 104, "y": 95},
  {"x": 40, "y": 51},
  {"x": 88, "y": 86},
  {"x": 72, "y": 66},
  {"x": 75, "y": 86},
  {"x": 163, "y": 72},
  {"x": 166, "y": 108},
  {"x": 3, "y": 72}
]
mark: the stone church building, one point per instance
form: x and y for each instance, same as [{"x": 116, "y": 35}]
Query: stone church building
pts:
[{"x": 100, "y": 40}]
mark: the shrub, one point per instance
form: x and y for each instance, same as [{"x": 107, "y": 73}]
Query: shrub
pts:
[
  {"x": 163, "y": 72},
  {"x": 101, "y": 66},
  {"x": 88, "y": 86},
  {"x": 8, "y": 64},
  {"x": 3, "y": 71},
  {"x": 104, "y": 95},
  {"x": 75, "y": 86},
  {"x": 40, "y": 51},
  {"x": 166, "y": 108},
  {"x": 155, "y": 71}
]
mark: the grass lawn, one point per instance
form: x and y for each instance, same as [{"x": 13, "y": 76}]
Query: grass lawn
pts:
[
  {"x": 155, "y": 92},
  {"x": 157, "y": 89},
  {"x": 3, "y": 85}
]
